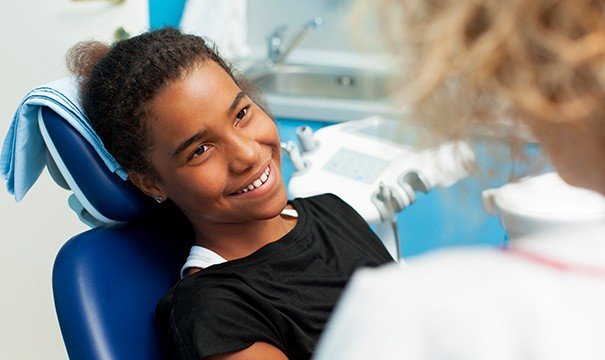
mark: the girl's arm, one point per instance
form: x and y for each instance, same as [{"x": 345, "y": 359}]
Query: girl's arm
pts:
[{"x": 257, "y": 351}]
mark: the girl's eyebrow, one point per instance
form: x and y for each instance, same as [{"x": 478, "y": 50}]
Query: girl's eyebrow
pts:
[
  {"x": 236, "y": 101},
  {"x": 185, "y": 144}
]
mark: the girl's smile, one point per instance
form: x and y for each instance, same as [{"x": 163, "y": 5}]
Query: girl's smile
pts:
[{"x": 261, "y": 181}]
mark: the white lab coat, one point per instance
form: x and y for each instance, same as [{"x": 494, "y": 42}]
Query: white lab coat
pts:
[{"x": 478, "y": 303}]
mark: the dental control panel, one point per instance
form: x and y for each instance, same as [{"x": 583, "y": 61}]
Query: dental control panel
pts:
[{"x": 356, "y": 165}]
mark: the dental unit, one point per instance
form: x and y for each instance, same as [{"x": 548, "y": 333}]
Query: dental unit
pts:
[{"x": 371, "y": 164}]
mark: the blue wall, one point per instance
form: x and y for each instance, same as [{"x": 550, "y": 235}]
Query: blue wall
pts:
[{"x": 163, "y": 12}]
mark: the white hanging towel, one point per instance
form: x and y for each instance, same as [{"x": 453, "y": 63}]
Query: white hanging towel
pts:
[{"x": 224, "y": 22}]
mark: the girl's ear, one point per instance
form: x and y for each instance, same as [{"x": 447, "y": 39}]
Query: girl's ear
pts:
[{"x": 147, "y": 184}]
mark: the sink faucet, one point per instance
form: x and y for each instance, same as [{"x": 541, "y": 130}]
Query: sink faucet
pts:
[{"x": 277, "y": 51}]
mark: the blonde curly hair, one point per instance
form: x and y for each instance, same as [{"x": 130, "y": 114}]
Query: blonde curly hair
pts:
[{"x": 482, "y": 61}]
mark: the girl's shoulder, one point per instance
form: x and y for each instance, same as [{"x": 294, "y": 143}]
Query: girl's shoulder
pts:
[{"x": 327, "y": 200}]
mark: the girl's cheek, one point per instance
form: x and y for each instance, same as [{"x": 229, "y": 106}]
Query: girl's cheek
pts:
[{"x": 272, "y": 129}]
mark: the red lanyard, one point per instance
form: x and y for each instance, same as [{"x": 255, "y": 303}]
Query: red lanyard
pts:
[{"x": 594, "y": 271}]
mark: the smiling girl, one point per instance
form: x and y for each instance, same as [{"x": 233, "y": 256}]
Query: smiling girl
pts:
[{"x": 265, "y": 272}]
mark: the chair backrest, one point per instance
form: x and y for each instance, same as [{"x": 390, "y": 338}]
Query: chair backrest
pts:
[{"x": 107, "y": 281}]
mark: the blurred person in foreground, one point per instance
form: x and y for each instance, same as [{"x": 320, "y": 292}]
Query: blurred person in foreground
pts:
[{"x": 540, "y": 63}]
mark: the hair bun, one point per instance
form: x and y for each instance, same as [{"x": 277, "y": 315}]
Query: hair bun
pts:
[{"x": 84, "y": 56}]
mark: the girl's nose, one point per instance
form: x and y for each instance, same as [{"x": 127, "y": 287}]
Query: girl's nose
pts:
[{"x": 243, "y": 153}]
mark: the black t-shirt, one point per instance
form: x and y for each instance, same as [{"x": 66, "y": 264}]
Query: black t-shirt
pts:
[{"x": 281, "y": 294}]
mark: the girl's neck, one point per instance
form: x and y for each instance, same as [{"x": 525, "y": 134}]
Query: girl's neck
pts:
[{"x": 238, "y": 240}]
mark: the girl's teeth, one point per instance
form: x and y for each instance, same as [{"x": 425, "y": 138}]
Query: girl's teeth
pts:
[{"x": 257, "y": 182}]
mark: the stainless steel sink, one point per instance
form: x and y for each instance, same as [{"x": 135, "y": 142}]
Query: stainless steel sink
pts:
[
  {"x": 321, "y": 81},
  {"x": 326, "y": 93}
]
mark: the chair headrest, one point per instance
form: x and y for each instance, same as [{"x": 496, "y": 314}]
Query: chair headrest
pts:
[{"x": 104, "y": 197}]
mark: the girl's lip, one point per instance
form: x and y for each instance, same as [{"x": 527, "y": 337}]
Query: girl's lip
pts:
[{"x": 265, "y": 188}]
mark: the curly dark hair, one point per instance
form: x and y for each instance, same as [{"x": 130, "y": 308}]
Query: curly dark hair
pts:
[{"x": 118, "y": 81}]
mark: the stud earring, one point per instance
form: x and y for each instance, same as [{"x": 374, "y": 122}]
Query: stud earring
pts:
[{"x": 158, "y": 198}]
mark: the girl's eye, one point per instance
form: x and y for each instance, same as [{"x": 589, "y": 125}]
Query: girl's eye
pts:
[
  {"x": 199, "y": 151},
  {"x": 242, "y": 113}
]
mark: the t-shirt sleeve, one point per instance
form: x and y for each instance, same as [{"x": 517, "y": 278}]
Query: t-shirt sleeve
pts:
[{"x": 220, "y": 319}]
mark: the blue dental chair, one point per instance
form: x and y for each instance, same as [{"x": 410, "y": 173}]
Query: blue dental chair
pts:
[{"x": 107, "y": 281}]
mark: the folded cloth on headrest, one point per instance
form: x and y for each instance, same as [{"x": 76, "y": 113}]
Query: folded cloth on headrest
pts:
[{"x": 24, "y": 153}]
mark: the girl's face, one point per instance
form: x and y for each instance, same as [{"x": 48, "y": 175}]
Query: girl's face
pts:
[{"x": 210, "y": 143}]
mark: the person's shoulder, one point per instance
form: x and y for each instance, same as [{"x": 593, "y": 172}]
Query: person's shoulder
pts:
[
  {"x": 321, "y": 198},
  {"x": 456, "y": 256},
  {"x": 202, "y": 290},
  {"x": 327, "y": 201},
  {"x": 423, "y": 282},
  {"x": 196, "y": 301},
  {"x": 201, "y": 310},
  {"x": 331, "y": 206},
  {"x": 439, "y": 268},
  {"x": 458, "y": 264}
]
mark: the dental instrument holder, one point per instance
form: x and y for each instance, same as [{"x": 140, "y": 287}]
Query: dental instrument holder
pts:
[
  {"x": 305, "y": 138},
  {"x": 389, "y": 201},
  {"x": 294, "y": 154},
  {"x": 277, "y": 51}
]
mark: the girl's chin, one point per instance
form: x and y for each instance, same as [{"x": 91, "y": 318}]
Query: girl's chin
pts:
[{"x": 278, "y": 203}]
